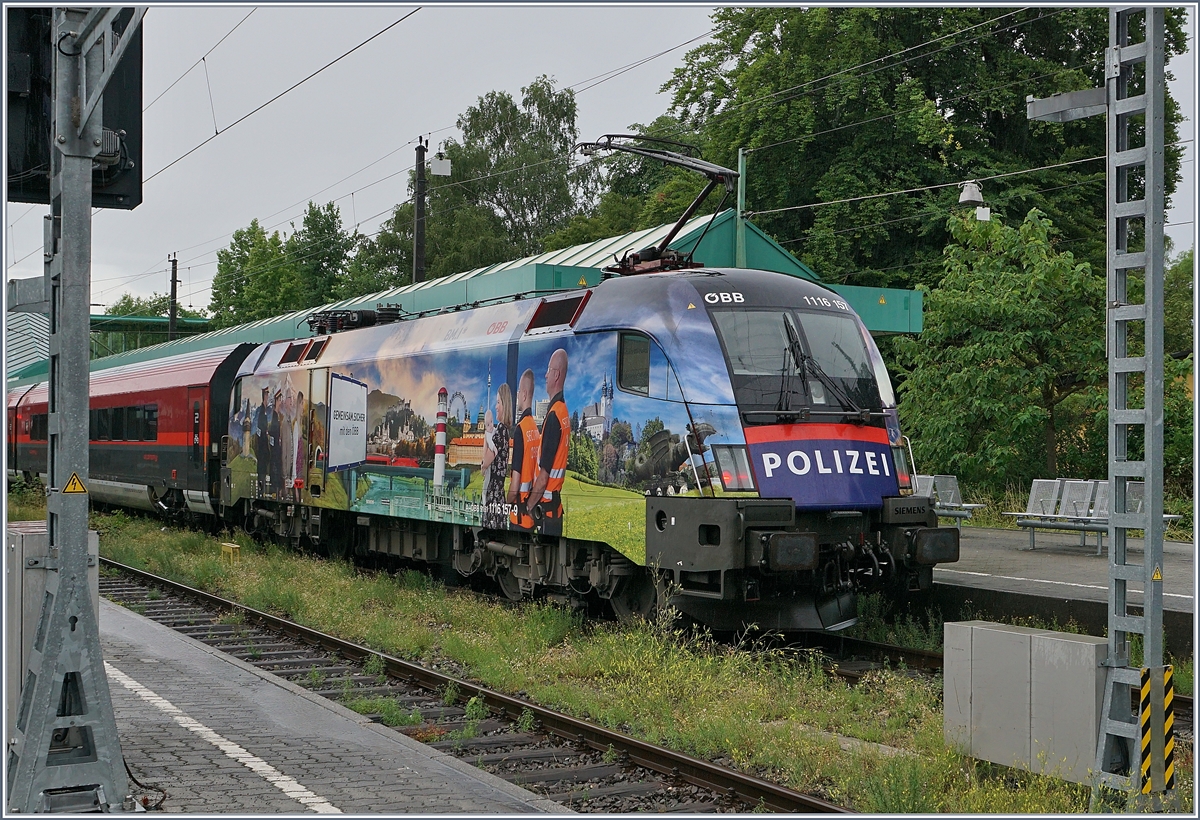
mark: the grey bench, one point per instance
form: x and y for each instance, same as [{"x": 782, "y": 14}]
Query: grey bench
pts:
[
  {"x": 1075, "y": 505},
  {"x": 947, "y": 498}
]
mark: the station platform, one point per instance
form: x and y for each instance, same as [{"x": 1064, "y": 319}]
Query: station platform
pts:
[
  {"x": 997, "y": 576},
  {"x": 221, "y": 736},
  {"x": 1060, "y": 566}
]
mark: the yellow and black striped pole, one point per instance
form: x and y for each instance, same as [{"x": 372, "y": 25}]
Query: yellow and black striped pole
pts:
[{"x": 1157, "y": 718}]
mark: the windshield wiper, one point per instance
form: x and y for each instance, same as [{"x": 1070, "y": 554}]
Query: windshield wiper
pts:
[{"x": 809, "y": 364}]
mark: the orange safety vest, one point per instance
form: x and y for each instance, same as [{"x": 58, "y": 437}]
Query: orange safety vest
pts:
[
  {"x": 530, "y": 439},
  {"x": 551, "y": 498}
]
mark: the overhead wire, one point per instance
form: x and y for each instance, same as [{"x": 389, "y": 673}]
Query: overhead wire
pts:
[
  {"x": 198, "y": 62},
  {"x": 286, "y": 91}
]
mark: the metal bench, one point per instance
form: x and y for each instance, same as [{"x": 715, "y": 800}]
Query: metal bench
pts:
[
  {"x": 947, "y": 498},
  {"x": 1076, "y": 506}
]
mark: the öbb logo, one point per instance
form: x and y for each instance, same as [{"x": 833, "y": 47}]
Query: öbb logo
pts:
[{"x": 726, "y": 298}]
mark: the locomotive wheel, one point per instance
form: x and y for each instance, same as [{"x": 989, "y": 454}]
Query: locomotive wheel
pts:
[
  {"x": 637, "y": 597},
  {"x": 509, "y": 585}
]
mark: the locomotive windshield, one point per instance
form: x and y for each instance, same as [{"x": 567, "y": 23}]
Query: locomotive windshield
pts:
[{"x": 784, "y": 360}]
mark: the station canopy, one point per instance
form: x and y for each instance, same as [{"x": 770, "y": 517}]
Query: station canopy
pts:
[{"x": 884, "y": 310}]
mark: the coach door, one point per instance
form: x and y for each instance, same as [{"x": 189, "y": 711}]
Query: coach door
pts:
[{"x": 197, "y": 435}]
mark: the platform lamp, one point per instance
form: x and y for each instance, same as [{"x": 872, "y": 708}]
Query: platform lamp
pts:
[{"x": 972, "y": 194}]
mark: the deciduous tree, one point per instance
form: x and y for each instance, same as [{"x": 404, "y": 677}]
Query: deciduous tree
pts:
[{"x": 1013, "y": 334}]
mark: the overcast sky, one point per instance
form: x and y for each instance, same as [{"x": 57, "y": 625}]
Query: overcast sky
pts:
[{"x": 315, "y": 142}]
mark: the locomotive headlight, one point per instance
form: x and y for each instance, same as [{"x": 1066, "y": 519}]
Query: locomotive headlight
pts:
[{"x": 734, "y": 466}]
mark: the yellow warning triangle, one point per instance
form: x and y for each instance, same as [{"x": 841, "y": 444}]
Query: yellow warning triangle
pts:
[
  {"x": 74, "y": 485},
  {"x": 583, "y": 281},
  {"x": 1157, "y": 576},
  {"x": 691, "y": 306}
]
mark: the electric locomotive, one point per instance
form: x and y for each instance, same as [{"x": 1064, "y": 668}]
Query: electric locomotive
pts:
[{"x": 784, "y": 488}]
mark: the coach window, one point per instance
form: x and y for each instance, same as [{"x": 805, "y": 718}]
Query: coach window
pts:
[
  {"x": 38, "y": 431},
  {"x": 150, "y": 423},
  {"x": 117, "y": 424},
  {"x": 102, "y": 417},
  {"x": 134, "y": 419}
]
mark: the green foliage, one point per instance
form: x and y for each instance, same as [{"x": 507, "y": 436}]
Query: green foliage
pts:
[
  {"x": 319, "y": 251},
  {"x": 382, "y": 261},
  {"x": 513, "y": 181},
  {"x": 476, "y": 709},
  {"x": 254, "y": 279},
  {"x": 1178, "y": 294},
  {"x": 1012, "y": 337},
  {"x": 450, "y": 696},
  {"x": 834, "y": 104},
  {"x": 525, "y": 722},
  {"x": 158, "y": 304}
]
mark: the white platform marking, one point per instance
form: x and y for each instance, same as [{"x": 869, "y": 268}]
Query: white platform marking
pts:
[
  {"x": 1044, "y": 581},
  {"x": 255, "y": 764}
]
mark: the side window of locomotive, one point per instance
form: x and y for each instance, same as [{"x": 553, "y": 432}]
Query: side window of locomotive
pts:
[{"x": 633, "y": 365}]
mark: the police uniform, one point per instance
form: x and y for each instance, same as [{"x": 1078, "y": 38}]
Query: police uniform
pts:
[
  {"x": 524, "y": 447},
  {"x": 555, "y": 444}
]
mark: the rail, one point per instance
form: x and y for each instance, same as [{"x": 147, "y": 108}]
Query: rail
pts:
[{"x": 693, "y": 770}]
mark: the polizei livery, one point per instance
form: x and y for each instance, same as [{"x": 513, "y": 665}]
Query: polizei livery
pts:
[{"x": 730, "y": 435}]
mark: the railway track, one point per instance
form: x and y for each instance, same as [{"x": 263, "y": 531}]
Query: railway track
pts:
[{"x": 583, "y": 766}]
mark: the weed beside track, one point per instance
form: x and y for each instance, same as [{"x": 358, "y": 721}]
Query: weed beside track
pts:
[{"x": 758, "y": 709}]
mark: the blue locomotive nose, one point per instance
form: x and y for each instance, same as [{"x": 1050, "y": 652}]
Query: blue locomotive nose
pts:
[{"x": 823, "y": 466}]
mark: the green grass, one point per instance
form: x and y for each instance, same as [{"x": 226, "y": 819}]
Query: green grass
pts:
[
  {"x": 26, "y": 502},
  {"x": 757, "y": 709}
]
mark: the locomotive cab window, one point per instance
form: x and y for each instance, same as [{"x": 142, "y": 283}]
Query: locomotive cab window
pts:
[{"x": 782, "y": 360}]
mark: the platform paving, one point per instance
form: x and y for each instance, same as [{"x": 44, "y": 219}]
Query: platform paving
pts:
[
  {"x": 1060, "y": 566},
  {"x": 221, "y": 736}
]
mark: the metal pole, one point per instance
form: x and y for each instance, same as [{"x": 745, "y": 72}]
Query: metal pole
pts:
[
  {"x": 739, "y": 254},
  {"x": 419, "y": 221},
  {"x": 174, "y": 304},
  {"x": 1131, "y": 753},
  {"x": 64, "y": 753}
]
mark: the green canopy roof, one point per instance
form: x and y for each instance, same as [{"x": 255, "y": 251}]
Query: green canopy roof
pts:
[{"x": 883, "y": 310}]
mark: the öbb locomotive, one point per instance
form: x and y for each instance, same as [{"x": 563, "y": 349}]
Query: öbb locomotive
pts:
[{"x": 728, "y": 435}]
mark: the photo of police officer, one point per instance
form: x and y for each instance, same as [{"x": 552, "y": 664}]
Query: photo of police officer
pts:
[
  {"x": 524, "y": 449},
  {"x": 545, "y": 496}
]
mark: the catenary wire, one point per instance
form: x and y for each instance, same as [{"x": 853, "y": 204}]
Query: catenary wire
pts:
[
  {"x": 281, "y": 94},
  {"x": 198, "y": 62}
]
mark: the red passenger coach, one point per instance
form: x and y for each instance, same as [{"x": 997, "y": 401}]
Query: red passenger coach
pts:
[{"x": 154, "y": 429}]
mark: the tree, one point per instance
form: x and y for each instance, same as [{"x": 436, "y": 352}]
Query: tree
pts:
[
  {"x": 838, "y": 104},
  {"x": 255, "y": 279},
  {"x": 1178, "y": 290},
  {"x": 381, "y": 261},
  {"x": 157, "y": 304},
  {"x": 513, "y": 179},
  {"x": 319, "y": 251},
  {"x": 1013, "y": 339}
]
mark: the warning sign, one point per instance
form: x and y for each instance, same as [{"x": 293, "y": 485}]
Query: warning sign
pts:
[
  {"x": 691, "y": 306},
  {"x": 1157, "y": 576},
  {"x": 583, "y": 281},
  {"x": 74, "y": 485}
]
